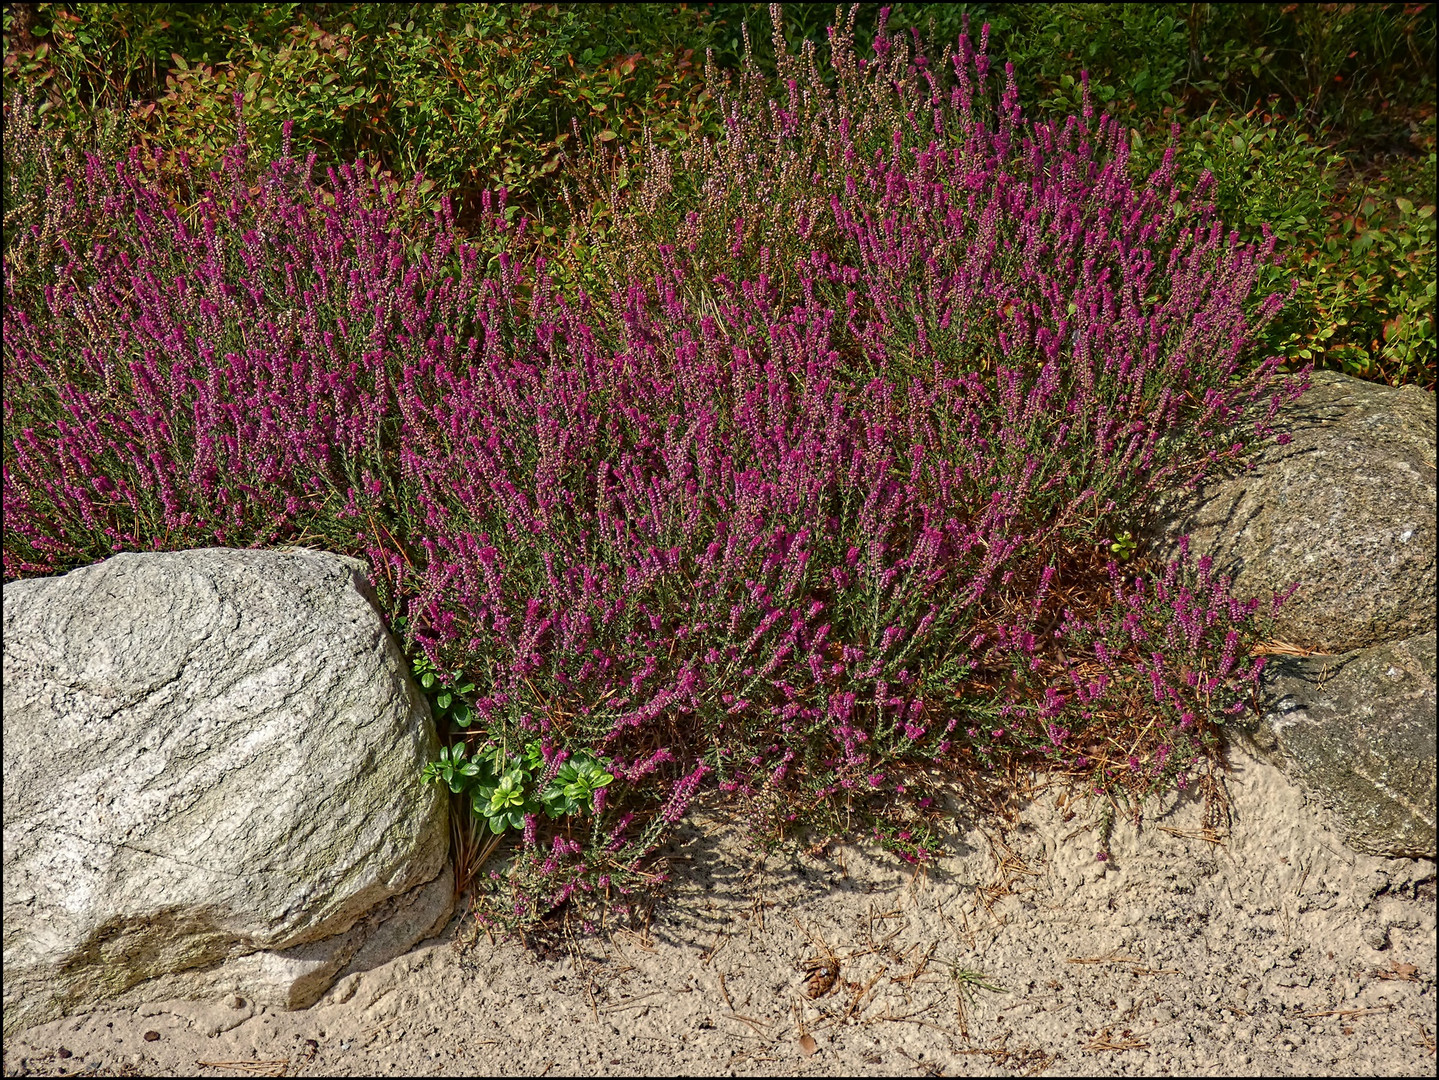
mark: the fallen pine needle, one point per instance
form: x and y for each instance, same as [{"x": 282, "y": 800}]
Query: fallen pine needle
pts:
[
  {"x": 1189, "y": 834},
  {"x": 629, "y": 1003},
  {"x": 1105, "y": 1041},
  {"x": 1406, "y": 972},
  {"x": 757, "y": 1025},
  {"x": 249, "y": 1066},
  {"x": 1345, "y": 1012},
  {"x": 861, "y": 992}
]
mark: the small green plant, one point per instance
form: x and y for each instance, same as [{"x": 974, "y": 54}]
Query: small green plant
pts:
[
  {"x": 970, "y": 981},
  {"x": 577, "y": 782},
  {"x": 503, "y": 789},
  {"x": 967, "y": 983},
  {"x": 453, "y": 769},
  {"x": 1123, "y": 547},
  {"x": 506, "y": 803},
  {"x": 448, "y": 701},
  {"x": 448, "y": 698}
]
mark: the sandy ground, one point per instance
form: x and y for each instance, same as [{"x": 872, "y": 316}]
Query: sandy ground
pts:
[{"x": 1275, "y": 951}]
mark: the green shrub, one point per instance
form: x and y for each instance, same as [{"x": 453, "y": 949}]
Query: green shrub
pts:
[
  {"x": 1354, "y": 69},
  {"x": 1359, "y": 251},
  {"x": 1365, "y": 299},
  {"x": 473, "y": 95}
]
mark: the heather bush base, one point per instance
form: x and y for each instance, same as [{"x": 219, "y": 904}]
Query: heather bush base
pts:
[{"x": 818, "y": 517}]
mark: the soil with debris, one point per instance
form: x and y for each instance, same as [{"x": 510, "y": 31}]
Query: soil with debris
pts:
[{"x": 1255, "y": 944}]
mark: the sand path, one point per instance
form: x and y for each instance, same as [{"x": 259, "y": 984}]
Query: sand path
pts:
[{"x": 1277, "y": 951}]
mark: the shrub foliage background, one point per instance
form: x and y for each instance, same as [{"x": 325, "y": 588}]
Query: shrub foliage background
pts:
[
  {"x": 1315, "y": 118},
  {"x": 782, "y": 454}
]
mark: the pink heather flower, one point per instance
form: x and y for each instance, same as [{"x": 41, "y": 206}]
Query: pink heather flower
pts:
[{"x": 683, "y": 794}]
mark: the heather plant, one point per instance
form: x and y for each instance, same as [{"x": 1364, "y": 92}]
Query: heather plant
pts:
[
  {"x": 491, "y": 93},
  {"x": 1353, "y": 78},
  {"x": 1353, "y": 71},
  {"x": 39, "y": 206},
  {"x": 825, "y": 179},
  {"x": 1359, "y": 303},
  {"x": 472, "y": 94},
  {"x": 815, "y": 517}
]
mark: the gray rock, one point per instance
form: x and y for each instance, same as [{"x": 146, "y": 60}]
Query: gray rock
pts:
[
  {"x": 1346, "y": 509},
  {"x": 1356, "y": 732},
  {"x": 211, "y": 784}
]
